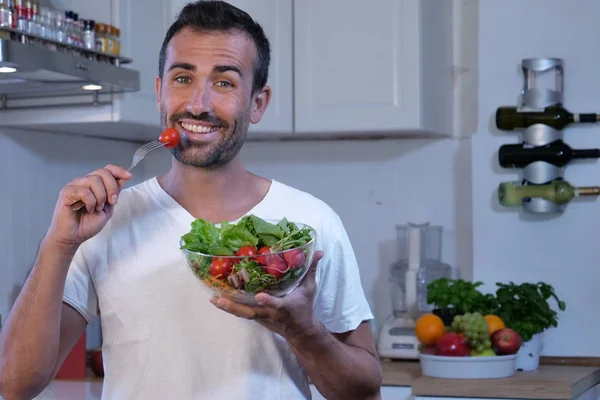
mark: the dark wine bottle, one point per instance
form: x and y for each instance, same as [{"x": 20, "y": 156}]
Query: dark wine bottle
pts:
[
  {"x": 556, "y": 116},
  {"x": 557, "y": 153}
]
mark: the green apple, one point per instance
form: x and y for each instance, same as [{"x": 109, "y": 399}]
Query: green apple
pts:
[{"x": 484, "y": 353}]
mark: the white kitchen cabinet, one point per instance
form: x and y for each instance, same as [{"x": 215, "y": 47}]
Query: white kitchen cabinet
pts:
[
  {"x": 143, "y": 24},
  {"x": 351, "y": 68},
  {"x": 381, "y": 67},
  {"x": 275, "y": 17},
  {"x": 387, "y": 393}
]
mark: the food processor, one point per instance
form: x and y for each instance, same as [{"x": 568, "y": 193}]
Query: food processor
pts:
[{"x": 418, "y": 264}]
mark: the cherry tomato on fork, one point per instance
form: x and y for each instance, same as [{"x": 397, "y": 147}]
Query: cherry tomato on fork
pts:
[{"x": 171, "y": 137}]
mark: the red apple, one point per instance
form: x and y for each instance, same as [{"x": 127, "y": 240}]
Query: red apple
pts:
[
  {"x": 506, "y": 341},
  {"x": 452, "y": 344}
]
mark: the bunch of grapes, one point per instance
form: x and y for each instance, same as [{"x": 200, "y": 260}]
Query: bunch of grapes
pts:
[{"x": 474, "y": 327}]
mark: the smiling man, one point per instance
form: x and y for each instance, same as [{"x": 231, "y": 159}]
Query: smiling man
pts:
[{"x": 118, "y": 258}]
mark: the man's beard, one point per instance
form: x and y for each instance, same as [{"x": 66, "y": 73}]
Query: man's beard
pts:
[{"x": 209, "y": 155}]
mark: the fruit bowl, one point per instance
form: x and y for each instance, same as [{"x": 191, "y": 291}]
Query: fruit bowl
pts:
[
  {"x": 474, "y": 346},
  {"x": 479, "y": 367},
  {"x": 240, "y": 260}
]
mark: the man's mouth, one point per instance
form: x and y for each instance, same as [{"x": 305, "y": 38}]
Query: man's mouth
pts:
[{"x": 198, "y": 128}]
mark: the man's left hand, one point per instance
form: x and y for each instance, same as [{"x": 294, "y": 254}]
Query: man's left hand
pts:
[{"x": 290, "y": 316}]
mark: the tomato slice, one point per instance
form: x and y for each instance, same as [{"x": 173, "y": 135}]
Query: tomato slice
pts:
[{"x": 171, "y": 137}]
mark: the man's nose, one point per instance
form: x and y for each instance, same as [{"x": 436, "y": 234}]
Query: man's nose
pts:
[{"x": 200, "y": 102}]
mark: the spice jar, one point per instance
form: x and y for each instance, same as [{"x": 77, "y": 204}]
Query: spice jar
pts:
[
  {"x": 59, "y": 26},
  {"x": 33, "y": 24},
  {"x": 117, "y": 41},
  {"x": 101, "y": 38},
  {"x": 6, "y": 14},
  {"x": 89, "y": 34},
  {"x": 110, "y": 38},
  {"x": 21, "y": 15}
]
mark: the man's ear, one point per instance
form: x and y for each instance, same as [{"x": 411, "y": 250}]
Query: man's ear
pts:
[
  {"x": 260, "y": 101},
  {"x": 157, "y": 87}
]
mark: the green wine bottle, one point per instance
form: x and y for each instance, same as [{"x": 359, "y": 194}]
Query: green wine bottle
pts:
[
  {"x": 555, "y": 116},
  {"x": 559, "y": 191}
]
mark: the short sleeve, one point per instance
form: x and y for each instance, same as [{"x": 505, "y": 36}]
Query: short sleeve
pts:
[
  {"x": 340, "y": 302},
  {"x": 79, "y": 290}
]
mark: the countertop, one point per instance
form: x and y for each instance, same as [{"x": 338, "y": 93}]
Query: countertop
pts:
[
  {"x": 556, "y": 378},
  {"x": 553, "y": 380}
]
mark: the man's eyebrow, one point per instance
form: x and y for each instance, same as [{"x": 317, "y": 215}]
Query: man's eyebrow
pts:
[
  {"x": 219, "y": 69},
  {"x": 183, "y": 65}
]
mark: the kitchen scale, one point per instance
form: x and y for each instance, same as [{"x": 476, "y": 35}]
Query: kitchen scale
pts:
[{"x": 418, "y": 265}]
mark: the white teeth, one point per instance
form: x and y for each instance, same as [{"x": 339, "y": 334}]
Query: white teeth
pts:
[{"x": 198, "y": 128}]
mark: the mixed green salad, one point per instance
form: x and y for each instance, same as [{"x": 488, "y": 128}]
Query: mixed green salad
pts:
[{"x": 254, "y": 240}]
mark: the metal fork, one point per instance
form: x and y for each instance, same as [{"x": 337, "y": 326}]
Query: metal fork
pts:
[{"x": 138, "y": 156}]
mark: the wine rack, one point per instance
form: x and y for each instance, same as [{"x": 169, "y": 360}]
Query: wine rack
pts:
[{"x": 534, "y": 98}]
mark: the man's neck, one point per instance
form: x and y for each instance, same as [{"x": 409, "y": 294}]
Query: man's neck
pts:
[{"x": 217, "y": 194}]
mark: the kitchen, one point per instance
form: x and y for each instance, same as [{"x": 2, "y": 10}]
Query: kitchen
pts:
[{"x": 371, "y": 182}]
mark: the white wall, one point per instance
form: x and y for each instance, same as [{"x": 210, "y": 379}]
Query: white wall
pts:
[
  {"x": 507, "y": 246},
  {"x": 35, "y": 166}
]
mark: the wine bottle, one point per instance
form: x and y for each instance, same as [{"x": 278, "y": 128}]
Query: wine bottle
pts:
[
  {"x": 557, "y": 153},
  {"x": 556, "y": 116},
  {"x": 558, "y": 191}
]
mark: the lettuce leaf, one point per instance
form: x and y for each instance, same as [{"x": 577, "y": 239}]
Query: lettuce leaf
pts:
[{"x": 205, "y": 237}]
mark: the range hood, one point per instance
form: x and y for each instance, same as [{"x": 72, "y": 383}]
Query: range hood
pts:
[{"x": 34, "y": 67}]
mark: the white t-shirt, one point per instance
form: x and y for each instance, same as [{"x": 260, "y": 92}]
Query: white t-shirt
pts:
[{"x": 162, "y": 339}]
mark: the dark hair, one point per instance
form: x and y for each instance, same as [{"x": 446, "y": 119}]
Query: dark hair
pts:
[{"x": 215, "y": 15}]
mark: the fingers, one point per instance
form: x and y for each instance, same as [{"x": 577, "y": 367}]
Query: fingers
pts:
[
  {"x": 96, "y": 189},
  {"x": 269, "y": 301},
  {"x": 242, "y": 310},
  {"x": 120, "y": 173},
  {"x": 71, "y": 193},
  {"x": 316, "y": 258},
  {"x": 310, "y": 280},
  {"x": 114, "y": 178}
]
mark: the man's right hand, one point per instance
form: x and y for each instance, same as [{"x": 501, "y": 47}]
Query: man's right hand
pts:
[{"x": 98, "y": 191}]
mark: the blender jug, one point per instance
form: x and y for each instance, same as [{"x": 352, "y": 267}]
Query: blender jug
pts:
[{"x": 418, "y": 264}]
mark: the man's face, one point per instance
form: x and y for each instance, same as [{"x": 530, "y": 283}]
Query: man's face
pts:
[{"x": 206, "y": 94}]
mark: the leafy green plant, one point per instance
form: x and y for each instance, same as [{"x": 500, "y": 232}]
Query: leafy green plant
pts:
[
  {"x": 526, "y": 309},
  {"x": 460, "y": 295}
]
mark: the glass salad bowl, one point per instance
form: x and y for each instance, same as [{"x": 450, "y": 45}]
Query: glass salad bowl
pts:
[{"x": 238, "y": 261}]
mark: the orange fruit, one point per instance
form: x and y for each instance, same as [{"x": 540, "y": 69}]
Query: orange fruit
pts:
[
  {"x": 429, "y": 328},
  {"x": 494, "y": 323}
]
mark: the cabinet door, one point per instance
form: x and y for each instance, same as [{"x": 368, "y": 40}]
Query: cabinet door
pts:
[
  {"x": 358, "y": 66},
  {"x": 275, "y": 16}
]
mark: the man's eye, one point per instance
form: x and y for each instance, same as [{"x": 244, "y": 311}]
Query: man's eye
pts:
[
  {"x": 224, "y": 84},
  {"x": 182, "y": 79}
]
